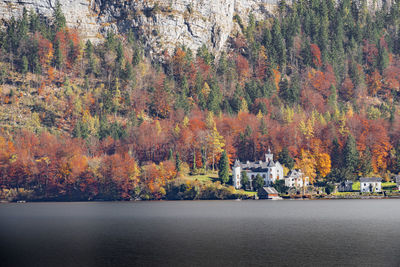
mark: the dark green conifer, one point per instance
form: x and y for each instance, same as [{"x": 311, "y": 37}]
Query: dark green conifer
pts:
[
  {"x": 178, "y": 162},
  {"x": 223, "y": 168}
]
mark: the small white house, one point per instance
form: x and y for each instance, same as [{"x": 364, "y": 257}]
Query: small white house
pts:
[
  {"x": 295, "y": 179},
  {"x": 370, "y": 184}
]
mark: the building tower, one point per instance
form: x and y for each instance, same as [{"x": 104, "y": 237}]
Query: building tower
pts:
[{"x": 236, "y": 175}]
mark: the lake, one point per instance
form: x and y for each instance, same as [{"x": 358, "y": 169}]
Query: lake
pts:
[{"x": 201, "y": 233}]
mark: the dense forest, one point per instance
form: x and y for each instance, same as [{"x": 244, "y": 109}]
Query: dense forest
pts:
[{"x": 318, "y": 83}]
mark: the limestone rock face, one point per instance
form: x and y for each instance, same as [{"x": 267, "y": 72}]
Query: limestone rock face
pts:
[
  {"x": 166, "y": 24},
  {"x": 78, "y": 13},
  {"x": 162, "y": 24}
]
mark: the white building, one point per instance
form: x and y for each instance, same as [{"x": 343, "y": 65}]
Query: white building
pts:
[
  {"x": 269, "y": 170},
  {"x": 373, "y": 184},
  {"x": 397, "y": 180},
  {"x": 295, "y": 179}
]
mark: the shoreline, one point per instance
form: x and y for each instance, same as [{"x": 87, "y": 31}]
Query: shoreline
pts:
[{"x": 175, "y": 200}]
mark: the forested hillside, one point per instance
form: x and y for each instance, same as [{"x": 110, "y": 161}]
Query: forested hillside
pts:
[{"x": 318, "y": 83}]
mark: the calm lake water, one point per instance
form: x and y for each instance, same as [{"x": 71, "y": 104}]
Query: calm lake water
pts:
[{"x": 201, "y": 233}]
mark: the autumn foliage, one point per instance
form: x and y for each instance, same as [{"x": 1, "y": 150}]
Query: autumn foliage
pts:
[{"x": 109, "y": 120}]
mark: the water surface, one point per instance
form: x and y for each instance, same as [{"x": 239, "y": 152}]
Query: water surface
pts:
[{"x": 201, "y": 233}]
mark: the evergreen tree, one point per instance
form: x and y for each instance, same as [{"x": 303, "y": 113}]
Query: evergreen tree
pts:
[
  {"x": 25, "y": 65},
  {"x": 214, "y": 98},
  {"x": 128, "y": 72},
  {"x": 332, "y": 99},
  {"x": 244, "y": 179},
  {"x": 223, "y": 168},
  {"x": 263, "y": 128},
  {"x": 194, "y": 163},
  {"x": 59, "y": 17},
  {"x": 286, "y": 159},
  {"x": 290, "y": 93},
  {"x": 323, "y": 34},
  {"x": 170, "y": 154},
  {"x": 178, "y": 162},
  {"x": 306, "y": 53},
  {"x": 383, "y": 58},
  {"x": 136, "y": 58},
  {"x": 350, "y": 155},
  {"x": 203, "y": 159},
  {"x": 279, "y": 48},
  {"x": 223, "y": 64},
  {"x": 258, "y": 182},
  {"x": 89, "y": 56},
  {"x": 392, "y": 114},
  {"x": 119, "y": 61},
  {"x": 59, "y": 58},
  {"x": 103, "y": 130},
  {"x": 336, "y": 154},
  {"x": 81, "y": 130},
  {"x": 365, "y": 163}
]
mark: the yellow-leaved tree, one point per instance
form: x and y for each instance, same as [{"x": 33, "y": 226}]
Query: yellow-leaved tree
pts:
[
  {"x": 215, "y": 142},
  {"x": 307, "y": 163},
  {"x": 324, "y": 164}
]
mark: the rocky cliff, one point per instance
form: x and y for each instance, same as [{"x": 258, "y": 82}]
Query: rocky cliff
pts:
[{"x": 162, "y": 24}]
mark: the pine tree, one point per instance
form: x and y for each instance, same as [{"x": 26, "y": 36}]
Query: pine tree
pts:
[
  {"x": 178, "y": 162},
  {"x": 59, "y": 58},
  {"x": 214, "y": 98},
  {"x": 286, "y": 159},
  {"x": 119, "y": 61},
  {"x": 128, "y": 72},
  {"x": 136, "y": 58},
  {"x": 365, "y": 163},
  {"x": 383, "y": 58},
  {"x": 25, "y": 65},
  {"x": 170, "y": 154},
  {"x": 59, "y": 17},
  {"x": 223, "y": 168},
  {"x": 350, "y": 155},
  {"x": 323, "y": 34},
  {"x": 336, "y": 153},
  {"x": 290, "y": 93},
  {"x": 278, "y": 45},
  {"x": 89, "y": 56},
  {"x": 194, "y": 163}
]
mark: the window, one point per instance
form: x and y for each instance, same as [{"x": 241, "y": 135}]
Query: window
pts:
[{"x": 264, "y": 176}]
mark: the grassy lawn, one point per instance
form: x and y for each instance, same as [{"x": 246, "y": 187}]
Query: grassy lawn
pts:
[
  {"x": 389, "y": 186},
  {"x": 249, "y": 193},
  {"x": 209, "y": 177},
  {"x": 356, "y": 186}
]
